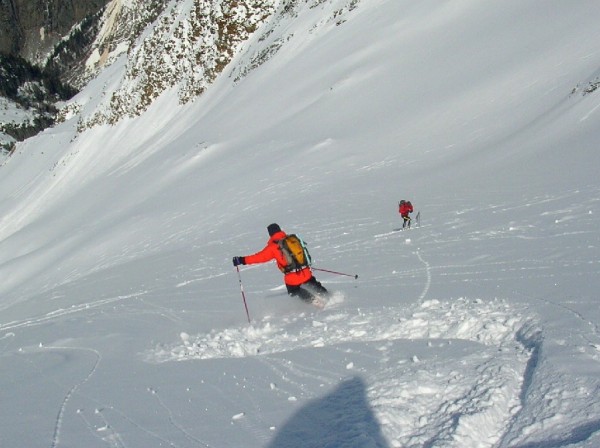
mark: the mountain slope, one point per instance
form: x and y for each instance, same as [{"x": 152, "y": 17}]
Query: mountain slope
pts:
[{"x": 122, "y": 320}]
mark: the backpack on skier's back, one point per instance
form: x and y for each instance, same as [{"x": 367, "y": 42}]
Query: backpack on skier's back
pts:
[{"x": 295, "y": 253}]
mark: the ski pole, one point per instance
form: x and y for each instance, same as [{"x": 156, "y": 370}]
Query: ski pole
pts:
[
  {"x": 243, "y": 294},
  {"x": 337, "y": 273}
]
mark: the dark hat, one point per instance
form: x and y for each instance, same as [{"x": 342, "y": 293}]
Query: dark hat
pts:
[{"x": 273, "y": 229}]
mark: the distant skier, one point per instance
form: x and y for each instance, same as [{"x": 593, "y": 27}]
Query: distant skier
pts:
[
  {"x": 298, "y": 277},
  {"x": 405, "y": 208}
]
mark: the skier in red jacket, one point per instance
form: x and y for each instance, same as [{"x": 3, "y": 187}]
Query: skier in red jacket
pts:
[
  {"x": 300, "y": 283},
  {"x": 404, "y": 208}
]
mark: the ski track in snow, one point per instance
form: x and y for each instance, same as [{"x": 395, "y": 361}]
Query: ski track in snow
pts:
[
  {"x": 105, "y": 430},
  {"x": 428, "y": 272},
  {"x": 64, "y": 312},
  {"x": 61, "y": 412},
  {"x": 172, "y": 420}
]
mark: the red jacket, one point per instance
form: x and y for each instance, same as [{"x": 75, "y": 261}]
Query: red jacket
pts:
[
  {"x": 405, "y": 209},
  {"x": 272, "y": 252}
]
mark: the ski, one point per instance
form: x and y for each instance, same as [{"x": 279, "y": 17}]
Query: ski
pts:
[{"x": 318, "y": 302}]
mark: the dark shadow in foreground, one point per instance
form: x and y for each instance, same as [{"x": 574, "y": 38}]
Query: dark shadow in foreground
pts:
[{"x": 341, "y": 419}]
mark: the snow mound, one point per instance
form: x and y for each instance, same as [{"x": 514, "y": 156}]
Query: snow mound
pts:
[{"x": 494, "y": 323}]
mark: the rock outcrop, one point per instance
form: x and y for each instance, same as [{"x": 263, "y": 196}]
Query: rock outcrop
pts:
[{"x": 32, "y": 28}]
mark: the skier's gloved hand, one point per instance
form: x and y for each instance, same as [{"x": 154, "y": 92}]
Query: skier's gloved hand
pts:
[{"x": 238, "y": 260}]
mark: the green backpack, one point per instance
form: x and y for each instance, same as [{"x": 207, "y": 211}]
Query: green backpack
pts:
[{"x": 295, "y": 253}]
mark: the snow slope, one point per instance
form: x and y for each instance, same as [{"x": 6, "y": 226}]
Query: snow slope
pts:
[{"x": 121, "y": 318}]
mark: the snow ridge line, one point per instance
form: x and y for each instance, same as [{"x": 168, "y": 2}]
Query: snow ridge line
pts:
[
  {"x": 527, "y": 428},
  {"x": 450, "y": 421},
  {"x": 530, "y": 337}
]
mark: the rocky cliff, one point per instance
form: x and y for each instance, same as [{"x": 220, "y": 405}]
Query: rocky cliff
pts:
[{"x": 32, "y": 28}]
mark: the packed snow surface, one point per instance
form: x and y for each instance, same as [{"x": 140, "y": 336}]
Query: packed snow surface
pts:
[{"x": 122, "y": 322}]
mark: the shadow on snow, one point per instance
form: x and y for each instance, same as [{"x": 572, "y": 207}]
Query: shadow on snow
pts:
[{"x": 340, "y": 419}]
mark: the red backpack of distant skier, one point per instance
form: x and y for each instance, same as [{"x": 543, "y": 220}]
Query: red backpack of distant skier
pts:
[{"x": 405, "y": 207}]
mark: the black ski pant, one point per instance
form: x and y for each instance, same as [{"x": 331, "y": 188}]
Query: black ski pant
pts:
[{"x": 307, "y": 290}]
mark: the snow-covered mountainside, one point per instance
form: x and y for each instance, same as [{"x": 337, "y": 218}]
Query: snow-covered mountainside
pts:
[
  {"x": 122, "y": 322},
  {"x": 162, "y": 44},
  {"x": 188, "y": 45},
  {"x": 186, "y": 48}
]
